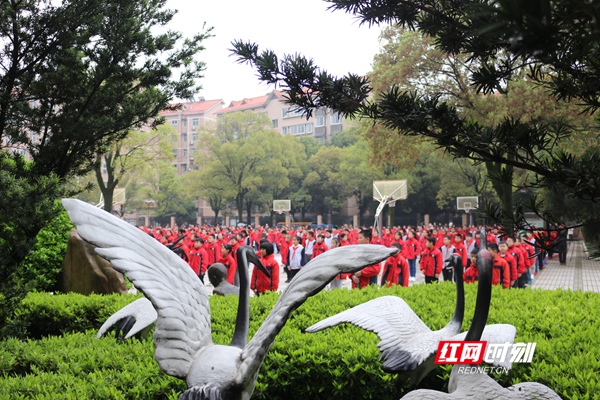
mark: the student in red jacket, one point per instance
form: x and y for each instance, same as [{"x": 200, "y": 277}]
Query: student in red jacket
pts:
[
  {"x": 471, "y": 275},
  {"x": 338, "y": 281},
  {"x": 344, "y": 239},
  {"x": 284, "y": 248},
  {"x": 396, "y": 271},
  {"x": 521, "y": 259},
  {"x": 229, "y": 263},
  {"x": 319, "y": 247},
  {"x": 460, "y": 248},
  {"x": 529, "y": 253},
  {"x": 387, "y": 238},
  {"x": 260, "y": 282},
  {"x": 367, "y": 275},
  {"x": 512, "y": 262},
  {"x": 212, "y": 249},
  {"x": 410, "y": 251},
  {"x": 199, "y": 258},
  {"x": 500, "y": 268},
  {"x": 432, "y": 261}
]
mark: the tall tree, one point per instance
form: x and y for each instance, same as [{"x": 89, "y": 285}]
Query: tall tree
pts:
[
  {"x": 166, "y": 188},
  {"x": 245, "y": 154},
  {"x": 128, "y": 157},
  {"x": 556, "y": 37},
  {"x": 357, "y": 176},
  {"x": 203, "y": 185},
  {"x": 75, "y": 76},
  {"x": 324, "y": 181}
]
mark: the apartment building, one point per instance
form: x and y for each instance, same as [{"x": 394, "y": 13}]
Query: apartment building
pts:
[
  {"x": 187, "y": 120},
  {"x": 286, "y": 119}
]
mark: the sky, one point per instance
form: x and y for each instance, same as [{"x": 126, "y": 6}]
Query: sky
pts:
[{"x": 334, "y": 40}]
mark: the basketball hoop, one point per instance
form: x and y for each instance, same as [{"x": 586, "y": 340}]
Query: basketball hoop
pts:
[
  {"x": 467, "y": 209},
  {"x": 392, "y": 203},
  {"x": 281, "y": 206}
]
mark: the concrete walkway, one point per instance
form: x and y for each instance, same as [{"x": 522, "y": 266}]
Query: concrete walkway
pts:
[{"x": 580, "y": 272}]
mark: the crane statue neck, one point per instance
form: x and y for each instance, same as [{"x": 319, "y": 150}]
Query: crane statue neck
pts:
[
  {"x": 242, "y": 320},
  {"x": 459, "y": 311},
  {"x": 484, "y": 295}
]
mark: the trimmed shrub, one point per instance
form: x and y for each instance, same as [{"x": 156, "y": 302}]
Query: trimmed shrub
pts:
[
  {"x": 45, "y": 314},
  {"x": 42, "y": 266},
  {"x": 341, "y": 362}
]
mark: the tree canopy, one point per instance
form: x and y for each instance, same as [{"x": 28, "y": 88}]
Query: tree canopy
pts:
[
  {"x": 245, "y": 158},
  {"x": 76, "y": 76},
  {"x": 552, "y": 42}
]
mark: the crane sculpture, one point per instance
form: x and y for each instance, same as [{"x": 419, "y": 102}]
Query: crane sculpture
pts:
[{"x": 182, "y": 338}]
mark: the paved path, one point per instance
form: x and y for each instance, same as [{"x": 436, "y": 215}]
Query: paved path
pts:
[{"x": 580, "y": 273}]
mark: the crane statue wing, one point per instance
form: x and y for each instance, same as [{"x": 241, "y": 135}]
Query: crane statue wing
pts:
[
  {"x": 142, "y": 311},
  {"x": 183, "y": 324},
  {"x": 312, "y": 278},
  {"x": 394, "y": 322}
]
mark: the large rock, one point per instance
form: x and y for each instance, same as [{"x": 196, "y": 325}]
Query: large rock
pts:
[{"x": 86, "y": 272}]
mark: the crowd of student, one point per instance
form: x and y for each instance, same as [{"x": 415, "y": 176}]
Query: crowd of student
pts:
[{"x": 517, "y": 259}]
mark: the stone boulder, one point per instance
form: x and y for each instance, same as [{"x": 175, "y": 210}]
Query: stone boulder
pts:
[{"x": 85, "y": 272}]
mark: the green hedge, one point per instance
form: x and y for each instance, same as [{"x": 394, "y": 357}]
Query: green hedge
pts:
[
  {"x": 44, "y": 314},
  {"x": 341, "y": 362},
  {"x": 42, "y": 267}
]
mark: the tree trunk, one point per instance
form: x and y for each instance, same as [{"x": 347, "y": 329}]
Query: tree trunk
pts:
[
  {"x": 249, "y": 212},
  {"x": 239, "y": 202},
  {"x": 501, "y": 177},
  {"x": 107, "y": 189}
]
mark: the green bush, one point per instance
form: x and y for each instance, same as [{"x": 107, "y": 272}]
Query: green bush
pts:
[
  {"x": 44, "y": 314},
  {"x": 42, "y": 266},
  {"x": 341, "y": 362}
]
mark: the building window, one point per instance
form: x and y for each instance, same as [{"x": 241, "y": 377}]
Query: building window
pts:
[
  {"x": 320, "y": 120},
  {"x": 195, "y": 123},
  {"x": 194, "y": 137},
  {"x": 291, "y": 112},
  {"x": 336, "y": 119},
  {"x": 185, "y": 152},
  {"x": 299, "y": 129},
  {"x": 184, "y": 167},
  {"x": 175, "y": 153},
  {"x": 174, "y": 122},
  {"x": 275, "y": 123},
  {"x": 184, "y": 137}
]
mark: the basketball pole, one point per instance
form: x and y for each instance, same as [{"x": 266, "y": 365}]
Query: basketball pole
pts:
[{"x": 386, "y": 199}]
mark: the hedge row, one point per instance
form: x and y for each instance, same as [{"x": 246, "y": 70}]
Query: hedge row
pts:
[{"x": 341, "y": 362}]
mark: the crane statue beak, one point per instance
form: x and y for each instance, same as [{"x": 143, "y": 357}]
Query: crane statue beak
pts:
[
  {"x": 252, "y": 257},
  {"x": 261, "y": 267}
]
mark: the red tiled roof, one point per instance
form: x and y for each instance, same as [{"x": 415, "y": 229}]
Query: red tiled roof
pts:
[
  {"x": 253, "y": 102},
  {"x": 194, "y": 107}
]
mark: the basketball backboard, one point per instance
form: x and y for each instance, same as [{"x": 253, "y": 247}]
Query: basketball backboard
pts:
[
  {"x": 119, "y": 197},
  {"x": 467, "y": 203},
  {"x": 281, "y": 206},
  {"x": 388, "y": 191}
]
